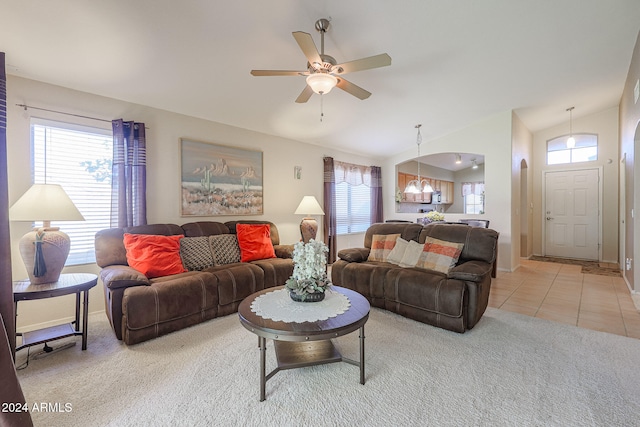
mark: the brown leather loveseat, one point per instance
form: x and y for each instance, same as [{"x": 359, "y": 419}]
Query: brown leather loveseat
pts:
[
  {"x": 140, "y": 308},
  {"x": 455, "y": 300}
]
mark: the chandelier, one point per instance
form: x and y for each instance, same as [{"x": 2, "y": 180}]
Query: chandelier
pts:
[{"x": 417, "y": 186}]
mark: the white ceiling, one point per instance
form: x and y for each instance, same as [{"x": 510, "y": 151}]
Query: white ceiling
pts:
[{"x": 453, "y": 62}]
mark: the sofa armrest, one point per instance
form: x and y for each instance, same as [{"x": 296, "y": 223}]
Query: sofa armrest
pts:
[
  {"x": 283, "y": 251},
  {"x": 470, "y": 271},
  {"x": 122, "y": 276},
  {"x": 354, "y": 254}
]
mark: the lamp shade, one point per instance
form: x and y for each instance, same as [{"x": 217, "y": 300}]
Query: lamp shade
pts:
[
  {"x": 309, "y": 206},
  {"x": 45, "y": 202},
  {"x": 322, "y": 83}
]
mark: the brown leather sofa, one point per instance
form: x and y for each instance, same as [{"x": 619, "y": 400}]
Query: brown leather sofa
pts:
[
  {"x": 140, "y": 309},
  {"x": 453, "y": 301}
]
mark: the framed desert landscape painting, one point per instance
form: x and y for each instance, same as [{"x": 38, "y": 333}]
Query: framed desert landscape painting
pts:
[{"x": 220, "y": 180}]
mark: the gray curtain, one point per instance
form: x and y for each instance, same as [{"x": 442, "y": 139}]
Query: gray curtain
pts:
[
  {"x": 330, "y": 225},
  {"x": 376, "y": 194},
  {"x": 129, "y": 175},
  {"x": 6, "y": 281}
]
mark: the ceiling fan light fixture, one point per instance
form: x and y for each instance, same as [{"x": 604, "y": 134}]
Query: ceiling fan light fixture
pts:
[{"x": 322, "y": 83}]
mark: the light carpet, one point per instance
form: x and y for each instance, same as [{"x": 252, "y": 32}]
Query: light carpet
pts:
[{"x": 510, "y": 370}]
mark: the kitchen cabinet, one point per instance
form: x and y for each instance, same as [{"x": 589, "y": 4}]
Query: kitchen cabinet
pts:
[{"x": 444, "y": 187}]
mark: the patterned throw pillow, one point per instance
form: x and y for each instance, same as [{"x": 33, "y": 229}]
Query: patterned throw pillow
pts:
[
  {"x": 381, "y": 246},
  {"x": 225, "y": 249},
  {"x": 196, "y": 253},
  {"x": 439, "y": 255},
  {"x": 396, "y": 254}
]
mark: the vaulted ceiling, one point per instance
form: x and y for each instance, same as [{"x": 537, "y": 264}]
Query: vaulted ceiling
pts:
[{"x": 453, "y": 62}]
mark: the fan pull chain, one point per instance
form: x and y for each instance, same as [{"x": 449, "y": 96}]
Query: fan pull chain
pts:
[{"x": 321, "y": 108}]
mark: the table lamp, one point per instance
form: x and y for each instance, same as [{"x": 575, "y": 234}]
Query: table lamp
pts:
[
  {"x": 309, "y": 226},
  {"x": 44, "y": 250}
]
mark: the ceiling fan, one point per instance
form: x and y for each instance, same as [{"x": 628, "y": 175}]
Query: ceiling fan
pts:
[{"x": 322, "y": 72}]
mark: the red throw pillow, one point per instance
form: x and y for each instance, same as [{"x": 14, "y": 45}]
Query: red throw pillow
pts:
[
  {"x": 255, "y": 242},
  {"x": 152, "y": 255}
]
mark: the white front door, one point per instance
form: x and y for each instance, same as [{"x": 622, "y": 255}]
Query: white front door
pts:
[{"x": 572, "y": 214}]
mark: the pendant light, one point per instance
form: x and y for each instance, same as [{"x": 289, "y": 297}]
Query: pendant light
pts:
[
  {"x": 571, "y": 142},
  {"x": 417, "y": 186}
]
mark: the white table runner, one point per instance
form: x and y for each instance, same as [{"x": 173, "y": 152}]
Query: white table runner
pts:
[{"x": 279, "y": 306}]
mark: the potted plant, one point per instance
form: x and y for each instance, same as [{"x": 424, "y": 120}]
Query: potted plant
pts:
[{"x": 309, "y": 280}]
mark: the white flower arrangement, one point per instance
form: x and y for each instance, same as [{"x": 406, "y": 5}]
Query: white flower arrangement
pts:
[
  {"x": 309, "y": 268},
  {"x": 434, "y": 216}
]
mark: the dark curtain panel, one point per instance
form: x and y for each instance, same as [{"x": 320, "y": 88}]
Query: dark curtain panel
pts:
[
  {"x": 6, "y": 283},
  {"x": 129, "y": 175},
  {"x": 376, "y": 194},
  {"x": 330, "y": 224}
]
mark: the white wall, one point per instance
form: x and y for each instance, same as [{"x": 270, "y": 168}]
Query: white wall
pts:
[
  {"x": 491, "y": 138},
  {"x": 281, "y": 192},
  {"x": 522, "y": 145},
  {"x": 605, "y": 125}
]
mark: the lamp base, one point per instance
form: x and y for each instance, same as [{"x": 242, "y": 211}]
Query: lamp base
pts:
[
  {"x": 55, "y": 249},
  {"x": 308, "y": 229}
]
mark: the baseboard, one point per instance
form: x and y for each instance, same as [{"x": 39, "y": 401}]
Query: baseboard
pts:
[{"x": 61, "y": 321}]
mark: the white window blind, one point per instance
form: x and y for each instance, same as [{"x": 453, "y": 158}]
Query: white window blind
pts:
[
  {"x": 353, "y": 208},
  {"x": 78, "y": 158}
]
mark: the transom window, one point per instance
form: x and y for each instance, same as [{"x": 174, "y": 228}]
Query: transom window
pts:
[
  {"x": 585, "y": 150},
  {"x": 79, "y": 159}
]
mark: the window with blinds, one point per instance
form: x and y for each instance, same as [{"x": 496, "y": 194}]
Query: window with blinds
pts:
[
  {"x": 353, "y": 208},
  {"x": 78, "y": 158}
]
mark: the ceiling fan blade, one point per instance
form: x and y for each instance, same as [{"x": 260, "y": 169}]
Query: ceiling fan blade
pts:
[
  {"x": 376, "y": 61},
  {"x": 353, "y": 89},
  {"x": 305, "y": 41},
  {"x": 278, "y": 73},
  {"x": 305, "y": 95}
]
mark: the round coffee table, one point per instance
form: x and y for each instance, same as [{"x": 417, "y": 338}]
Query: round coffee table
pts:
[{"x": 307, "y": 343}]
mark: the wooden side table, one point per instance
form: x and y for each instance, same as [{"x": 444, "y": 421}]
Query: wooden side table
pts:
[{"x": 75, "y": 283}]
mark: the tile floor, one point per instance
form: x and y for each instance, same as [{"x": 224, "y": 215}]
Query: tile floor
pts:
[{"x": 560, "y": 292}]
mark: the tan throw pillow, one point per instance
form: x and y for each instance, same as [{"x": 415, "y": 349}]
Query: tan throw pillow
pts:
[
  {"x": 439, "y": 255},
  {"x": 396, "y": 254},
  {"x": 381, "y": 245},
  {"x": 412, "y": 254}
]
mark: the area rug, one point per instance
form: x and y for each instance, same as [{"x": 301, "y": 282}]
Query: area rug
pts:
[
  {"x": 510, "y": 370},
  {"x": 588, "y": 267}
]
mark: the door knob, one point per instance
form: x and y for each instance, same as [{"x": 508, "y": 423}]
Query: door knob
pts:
[{"x": 549, "y": 218}]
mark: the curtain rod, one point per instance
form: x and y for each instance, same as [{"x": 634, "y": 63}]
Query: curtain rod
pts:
[
  {"x": 65, "y": 113},
  {"x": 62, "y": 112}
]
